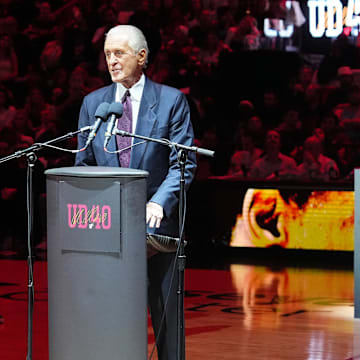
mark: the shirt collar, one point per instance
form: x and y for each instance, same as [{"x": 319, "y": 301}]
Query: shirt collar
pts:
[{"x": 135, "y": 91}]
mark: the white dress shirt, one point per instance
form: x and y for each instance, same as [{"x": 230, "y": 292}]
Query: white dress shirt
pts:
[{"x": 136, "y": 92}]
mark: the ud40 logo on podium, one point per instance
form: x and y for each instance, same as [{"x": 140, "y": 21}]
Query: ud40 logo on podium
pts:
[{"x": 93, "y": 217}]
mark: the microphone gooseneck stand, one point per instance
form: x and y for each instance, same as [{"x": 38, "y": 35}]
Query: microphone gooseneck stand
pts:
[
  {"x": 31, "y": 160},
  {"x": 182, "y": 151},
  {"x": 182, "y": 157}
]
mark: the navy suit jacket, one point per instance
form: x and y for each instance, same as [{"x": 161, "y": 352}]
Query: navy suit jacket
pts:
[{"x": 164, "y": 113}]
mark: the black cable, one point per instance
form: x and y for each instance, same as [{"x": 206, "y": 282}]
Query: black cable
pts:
[{"x": 31, "y": 293}]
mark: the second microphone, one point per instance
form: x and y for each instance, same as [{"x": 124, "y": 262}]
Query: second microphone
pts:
[{"x": 114, "y": 112}]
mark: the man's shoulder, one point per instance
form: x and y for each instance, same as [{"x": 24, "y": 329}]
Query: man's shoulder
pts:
[
  {"x": 260, "y": 161},
  {"x": 287, "y": 159},
  {"x": 163, "y": 88},
  {"x": 100, "y": 93},
  {"x": 325, "y": 159}
]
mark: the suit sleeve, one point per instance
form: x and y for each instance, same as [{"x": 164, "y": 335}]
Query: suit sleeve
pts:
[{"x": 180, "y": 132}]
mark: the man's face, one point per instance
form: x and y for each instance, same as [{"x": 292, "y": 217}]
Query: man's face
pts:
[
  {"x": 270, "y": 99},
  {"x": 255, "y": 123},
  {"x": 346, "y": 80},
  {"x": 124, "y": 65},
  {"x": 20, "y": 119},
  {"x": 319, "y": 133},
  {"x": 272, "y": 141},
  {"x": 306, "y": 75},
  {"x": 313, "y": 146},
  {"x": 47, "y": 116},
  {"x": 292, "y": 117},
  {"x": 45, "y": 11}
]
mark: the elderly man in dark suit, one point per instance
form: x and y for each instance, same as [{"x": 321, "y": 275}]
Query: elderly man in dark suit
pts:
[{"x": 156, "y": 111}]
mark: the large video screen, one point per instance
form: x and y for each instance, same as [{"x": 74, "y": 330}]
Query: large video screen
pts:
[
  {"x": 311, "y": 25},
  {"x": 295, "y": 219}
]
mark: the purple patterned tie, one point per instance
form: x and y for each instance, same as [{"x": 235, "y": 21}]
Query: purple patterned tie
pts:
[{"x": 125, "y": 124}]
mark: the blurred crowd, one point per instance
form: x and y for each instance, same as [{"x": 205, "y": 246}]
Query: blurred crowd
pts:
[{"x": 303, "y": 126}]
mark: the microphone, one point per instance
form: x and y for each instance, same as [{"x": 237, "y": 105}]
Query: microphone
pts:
[
  {"x": 115, "y": 111},
  {"x": 162, "y": 243},
  {"x": 203, "y": 151},
  {"x": 85, "y": 128},
  {"x": 101, "y": 114}
]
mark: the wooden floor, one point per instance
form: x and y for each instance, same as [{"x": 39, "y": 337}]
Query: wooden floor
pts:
[{"x": 243, "y": 312}]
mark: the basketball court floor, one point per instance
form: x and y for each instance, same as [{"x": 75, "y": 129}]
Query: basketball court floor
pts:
[{"x": 237, "y": 311}]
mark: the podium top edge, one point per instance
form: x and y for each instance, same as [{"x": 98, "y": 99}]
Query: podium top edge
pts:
[{"x": 96, "y": 171}]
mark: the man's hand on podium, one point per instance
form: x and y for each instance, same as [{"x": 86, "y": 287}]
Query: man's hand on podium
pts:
[{"x": 154, "y": 214}]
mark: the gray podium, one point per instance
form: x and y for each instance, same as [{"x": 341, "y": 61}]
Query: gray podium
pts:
[{"x": 97, "y": 283}]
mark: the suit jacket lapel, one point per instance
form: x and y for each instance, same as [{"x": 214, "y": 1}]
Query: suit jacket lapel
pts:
[
  {"x": 109, "y": 96},
  {"x": 147, "y": 119}
]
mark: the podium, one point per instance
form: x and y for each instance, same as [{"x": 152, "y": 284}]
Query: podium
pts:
[{"x": 97, "y": 277}]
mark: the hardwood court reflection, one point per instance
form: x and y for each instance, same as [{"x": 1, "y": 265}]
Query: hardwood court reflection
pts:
[
  {"x": 265, "y": 313},
  {"x": 245, "y": 312}
]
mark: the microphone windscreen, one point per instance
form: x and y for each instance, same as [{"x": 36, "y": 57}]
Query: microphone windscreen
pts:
[
  {"x": 162, "y": 243},
  {"x": 102, "y": 111},
  {"x": 116, "y": 108}
]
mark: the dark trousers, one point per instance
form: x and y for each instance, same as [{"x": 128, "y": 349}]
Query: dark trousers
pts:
[{"x": 160, "y": 273}]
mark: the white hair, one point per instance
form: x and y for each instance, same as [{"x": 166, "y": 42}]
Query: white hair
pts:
[{"x": 135, "y": 37}]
